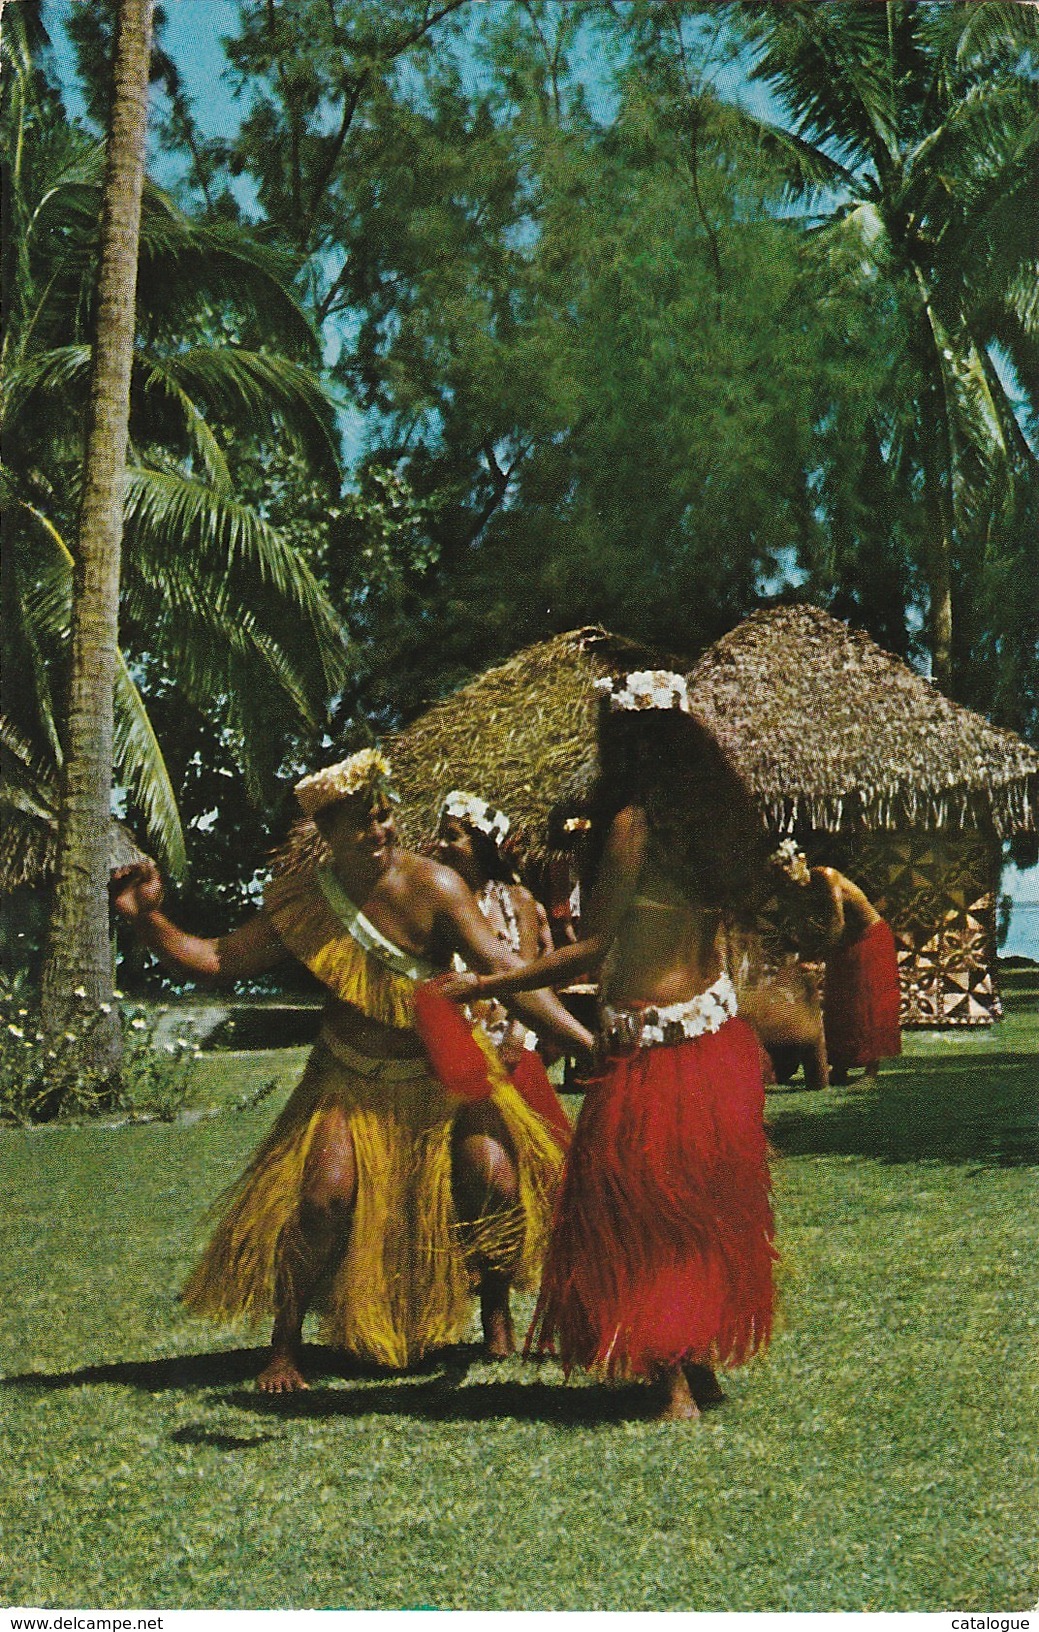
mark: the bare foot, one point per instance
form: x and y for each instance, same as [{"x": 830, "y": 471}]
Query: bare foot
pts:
[
  {"x": 680, "y": 1405},
  {"x": 499, "y": 1337},
  {"x": 704, "y": 1385},
  {"x": 281, "y": 1375}
]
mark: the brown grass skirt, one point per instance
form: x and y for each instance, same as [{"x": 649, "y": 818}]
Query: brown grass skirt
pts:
[{"x": 405, "y": 1282}]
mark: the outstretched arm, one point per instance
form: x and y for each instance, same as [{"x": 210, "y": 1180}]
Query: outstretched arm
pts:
[
  {"x": 608, "y": 903},
  {"x": 468, "y": 931},
  {"x": 137, "y": 895}
]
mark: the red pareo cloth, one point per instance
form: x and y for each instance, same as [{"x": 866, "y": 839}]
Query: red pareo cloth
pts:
[
  {"x": 862, "y": 999},
  {"x": 531, "y": 1079},
  {"x": 661, "y": 1247}
]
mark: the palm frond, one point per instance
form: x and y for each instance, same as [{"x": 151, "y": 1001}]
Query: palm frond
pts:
[
  {"x": 995, "y": 35},
  {"x": 157, "y": 379},
  {"x": 216, "y": 264},
  {"x": 138, "y": 757},
  {"x": 830, "y": 66},
  {"x": 807, "y": 168},
  {"x": 167, "y": 512},
  {"x": 268, "y": 391},
  {"x": 30, "y": 682},
  {"x": 139, "y": 762},
  {"x": 50, "y": 371}
]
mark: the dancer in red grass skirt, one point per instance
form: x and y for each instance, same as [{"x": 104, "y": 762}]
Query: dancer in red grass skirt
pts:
[
  {"x": 862, "y": 997},
  {"x": 661, "y": 1259},
  {"x": 470, "y": 834}
]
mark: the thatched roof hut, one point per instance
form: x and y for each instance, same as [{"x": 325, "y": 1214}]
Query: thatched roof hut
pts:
[
  {"x": 834, "y": 733},
  {"x": 521, "y": 735},
  {"x": 878, "y": 772},
  {"x": 841, "y": 743}
]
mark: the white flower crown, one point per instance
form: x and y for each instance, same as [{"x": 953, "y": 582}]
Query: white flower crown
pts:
[
  {"x": 792, "y": 861},
  {"x": 646, "y": 688},
  {"x": 364, "y": 772},
  {"x": 466, "y": 807}
]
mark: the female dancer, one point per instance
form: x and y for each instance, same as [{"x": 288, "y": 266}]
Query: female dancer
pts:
[
  {"x": 661, "y": 1258},
  {"x": 470, "y": 834}
]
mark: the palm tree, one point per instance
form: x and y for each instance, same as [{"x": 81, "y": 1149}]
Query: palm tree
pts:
[
  {"x": 211, "y": 591},
  {"x": 78, "y": 937},
  {"x": 913, "y": 132}
]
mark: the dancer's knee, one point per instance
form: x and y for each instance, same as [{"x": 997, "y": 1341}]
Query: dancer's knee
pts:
[
  {"x": 330, "y": 1177},
  {"x": 485, "y": 1172}
]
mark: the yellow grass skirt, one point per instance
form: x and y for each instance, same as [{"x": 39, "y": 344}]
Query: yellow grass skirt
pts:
[{"x": 405, "y": 1282}]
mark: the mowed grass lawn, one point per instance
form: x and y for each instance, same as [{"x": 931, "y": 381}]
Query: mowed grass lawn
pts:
[{"x": 883, "y": 1456}]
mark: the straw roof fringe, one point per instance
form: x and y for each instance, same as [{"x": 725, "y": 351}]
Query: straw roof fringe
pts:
[{"x": 833, "y": 732}]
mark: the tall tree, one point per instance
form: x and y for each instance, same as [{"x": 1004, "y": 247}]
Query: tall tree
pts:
[
  {"x": 913, "y": 134},
  {"x": 219, "y": 610},
  {"x": 79, "y": 954}
]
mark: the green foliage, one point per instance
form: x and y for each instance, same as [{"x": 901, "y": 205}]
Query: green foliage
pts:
[
  {"x": 225, "y": 354},
  {"x": 910, "y": 132},
  {"x": 39, "y": 1082}
]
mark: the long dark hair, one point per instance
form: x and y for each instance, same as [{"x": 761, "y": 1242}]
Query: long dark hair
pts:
[
  {"x": 492, "y": 862},
  {"x": 698, "y": 806}
]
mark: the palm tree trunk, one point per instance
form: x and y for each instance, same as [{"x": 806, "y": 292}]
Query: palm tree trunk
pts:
[
  {"x": 78, "y": 977},
  {"x": 938, "y": 479}
]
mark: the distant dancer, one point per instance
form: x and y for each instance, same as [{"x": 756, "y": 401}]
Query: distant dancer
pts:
[
  {"x": 470, "y": 833},
  {"x": 862, "y": 995},
  {"x": 661, "y": 1257}
]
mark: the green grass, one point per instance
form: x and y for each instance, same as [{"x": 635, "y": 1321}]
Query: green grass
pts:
[{"x": 883, "y": 1456}]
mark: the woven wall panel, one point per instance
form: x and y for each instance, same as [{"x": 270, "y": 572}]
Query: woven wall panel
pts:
[{"x": 939, "y": 896}]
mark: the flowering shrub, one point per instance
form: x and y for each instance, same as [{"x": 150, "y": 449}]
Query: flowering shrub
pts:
[{"x": 40, "y": 1080}]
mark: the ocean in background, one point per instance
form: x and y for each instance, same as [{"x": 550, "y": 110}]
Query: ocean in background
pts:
[{"x": 1023, "y": 938}]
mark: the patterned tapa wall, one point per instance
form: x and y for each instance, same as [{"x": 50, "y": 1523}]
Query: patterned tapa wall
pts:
[{"x": 938, "y": 893}]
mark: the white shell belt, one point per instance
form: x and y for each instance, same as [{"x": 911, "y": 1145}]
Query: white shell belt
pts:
[{"x": 652, "y": 1024}]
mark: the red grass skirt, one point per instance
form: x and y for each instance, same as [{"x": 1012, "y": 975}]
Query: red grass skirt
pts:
[
  {"x": 862, "y": 999},
  {"x": 661, "y": 1247}
]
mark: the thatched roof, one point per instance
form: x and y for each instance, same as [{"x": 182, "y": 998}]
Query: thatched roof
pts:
[
  {"x": 833, "y": 732},
  {"x": 829, "y": 730},
  {"x": 521, "y": 735},
  {"x": 518, "y": 735}
]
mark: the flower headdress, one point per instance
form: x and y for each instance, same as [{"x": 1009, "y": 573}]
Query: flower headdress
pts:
[
  {"x": 366, "y": 772},
  {"x": 791, "y": 861},
  {"x": 466, "y": 807},
  {"x": 646, "y": 688}
]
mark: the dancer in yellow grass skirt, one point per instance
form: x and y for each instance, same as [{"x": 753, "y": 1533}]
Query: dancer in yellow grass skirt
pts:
[{"x": 380, "y": 1196}]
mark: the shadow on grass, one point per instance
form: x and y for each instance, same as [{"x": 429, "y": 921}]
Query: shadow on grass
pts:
[
  {"x": 982, "y": 1114},
  {"x": 220, "y": 1367},
  {"x": 431, "y": 1390},
  {"x": 441, "y": 1399}
]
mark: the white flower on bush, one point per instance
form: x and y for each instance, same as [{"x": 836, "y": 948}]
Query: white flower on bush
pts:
[
  {"x": 16, "y": 1031},
  {"x": 138, "y": 1024},
  {"x": 79, "y": 991}
]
